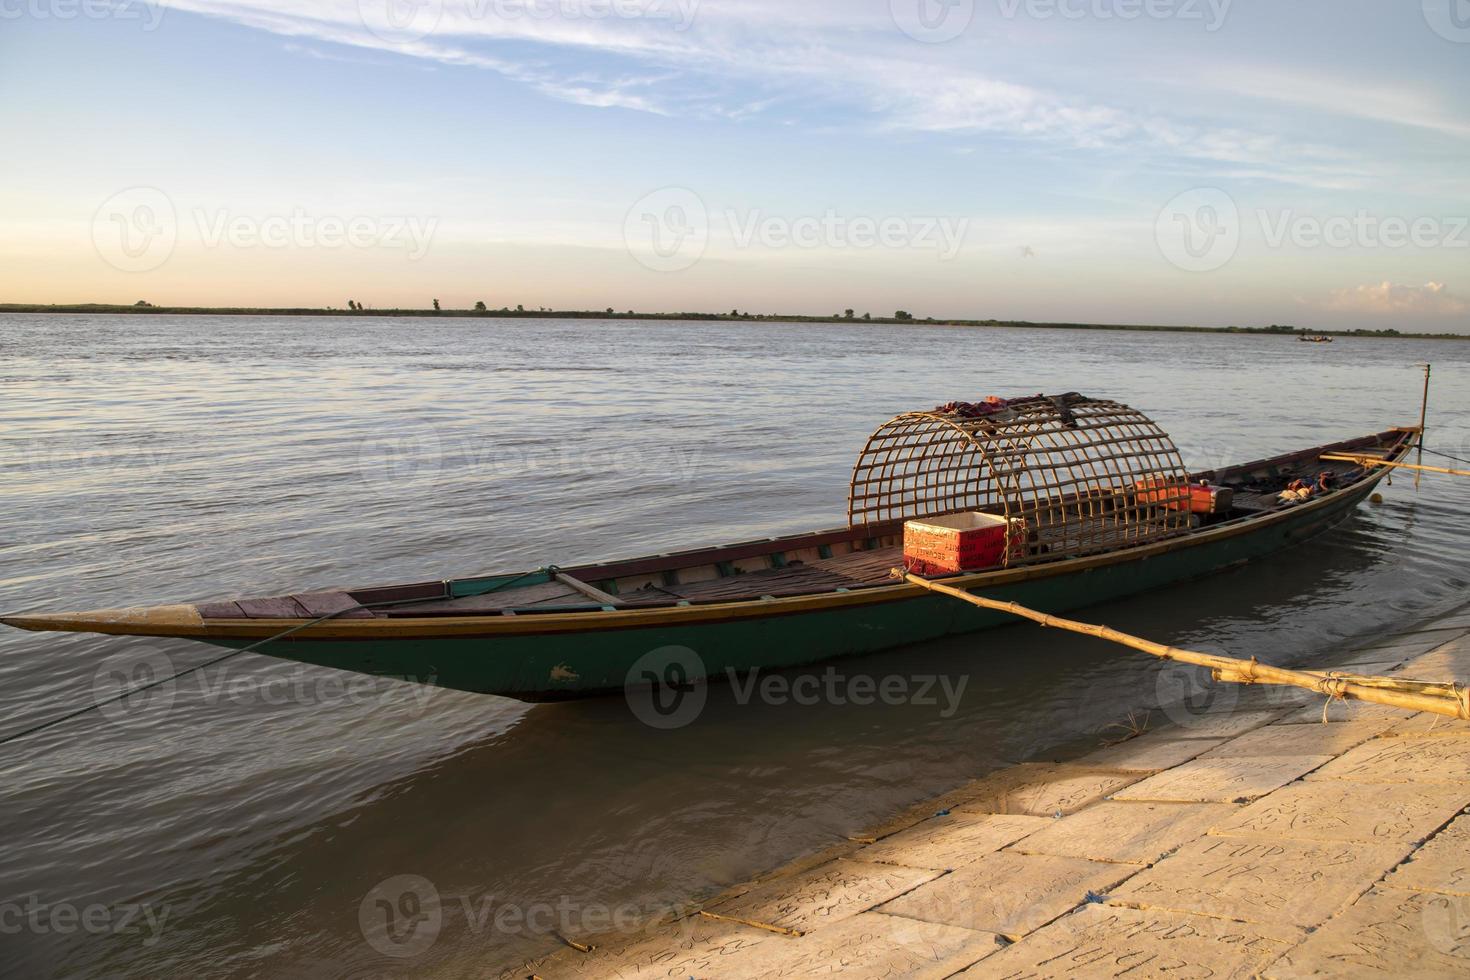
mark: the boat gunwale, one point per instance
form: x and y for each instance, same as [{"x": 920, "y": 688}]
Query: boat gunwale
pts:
[{"x": 595, "y": 618}]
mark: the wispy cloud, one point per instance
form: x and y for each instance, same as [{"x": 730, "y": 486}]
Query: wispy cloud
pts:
[
  {"x": 737, "y": 58},
  {"x": 1337, "y": 96},
  {"x": 318, "y": 54}
]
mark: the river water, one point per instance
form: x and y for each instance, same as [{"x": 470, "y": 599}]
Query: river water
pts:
[{"x": 262, "y": 818}]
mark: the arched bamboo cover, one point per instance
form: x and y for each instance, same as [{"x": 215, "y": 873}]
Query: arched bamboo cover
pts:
[{"x": 1085, "y": 475}]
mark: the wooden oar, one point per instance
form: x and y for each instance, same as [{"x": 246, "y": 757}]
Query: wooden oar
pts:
[
  {"x": 589, "y": 591},
  {"x": 1441, "y": 699},
  {"x": 1374, "y": 461}
]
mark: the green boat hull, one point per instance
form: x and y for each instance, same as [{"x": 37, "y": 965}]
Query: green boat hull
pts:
[{"x": 556, "y": 666}]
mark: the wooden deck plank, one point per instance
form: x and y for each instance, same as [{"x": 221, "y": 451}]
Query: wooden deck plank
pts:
[
  {"x": 865, "y": 567},
  {"x": 794, "y": 579},
  {"x": 513, "y": 598},
  {"x": 221, "y": 610},
  {"x": 283, "y": 607},
  {"x": 338, "y": 605}
]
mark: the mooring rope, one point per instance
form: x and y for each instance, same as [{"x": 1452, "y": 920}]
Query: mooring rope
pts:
[
  {"x": 42, "y": 726},
  {"x": 96, "y": 705},
  {"x": 1458, "y": 459}
]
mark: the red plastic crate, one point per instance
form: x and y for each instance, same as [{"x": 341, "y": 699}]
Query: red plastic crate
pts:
[
  {"x": 957, "y": 543},
  {"x": 1196, "y": 498}
]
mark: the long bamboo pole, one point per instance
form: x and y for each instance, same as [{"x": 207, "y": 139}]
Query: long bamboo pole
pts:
[
  {"x": 1441, "y": 699},
  {"x": 1374, "y": 461}
]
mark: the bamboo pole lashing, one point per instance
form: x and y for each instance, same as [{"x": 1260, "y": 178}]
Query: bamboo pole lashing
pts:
[{"x": 1452, "y": 700}]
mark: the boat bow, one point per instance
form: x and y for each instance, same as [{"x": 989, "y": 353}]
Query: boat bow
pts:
[{"x": 175, "y": 620}]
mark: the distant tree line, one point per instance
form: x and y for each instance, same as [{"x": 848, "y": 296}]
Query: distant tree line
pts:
[{"x": 899, "y": 317}]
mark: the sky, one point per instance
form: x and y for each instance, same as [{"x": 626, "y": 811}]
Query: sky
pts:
[{"x": 1209, "y": 162}]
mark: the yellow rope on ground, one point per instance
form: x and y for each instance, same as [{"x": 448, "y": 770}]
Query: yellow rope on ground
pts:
[
  {"x": 579, "y": 947},
  {"x": 1439, "y": 698},
  {"x": 780, "y": 930}
]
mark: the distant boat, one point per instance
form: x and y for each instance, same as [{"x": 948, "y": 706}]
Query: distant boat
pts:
[
  {"x": 1314, "y": 340},
  {"x": 1101, "y": 503}
]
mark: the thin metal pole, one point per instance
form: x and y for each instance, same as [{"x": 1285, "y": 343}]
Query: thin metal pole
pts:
[{"x": 1423, "y": 417}]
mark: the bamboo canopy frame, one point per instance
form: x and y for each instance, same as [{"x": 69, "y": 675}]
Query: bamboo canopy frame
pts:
[
  {"x": 1083, "y": 474},
  {"x": 1451, "y": 700}
]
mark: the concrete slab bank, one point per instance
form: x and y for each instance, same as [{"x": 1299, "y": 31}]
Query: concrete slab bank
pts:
[{"x": 1258, "y": 841}]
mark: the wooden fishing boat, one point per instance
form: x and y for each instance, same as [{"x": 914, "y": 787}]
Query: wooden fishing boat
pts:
[{"x": 1107, "y": 506}]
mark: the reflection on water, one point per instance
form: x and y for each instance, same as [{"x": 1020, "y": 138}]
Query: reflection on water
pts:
[{"x": 256, "y": 810}]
